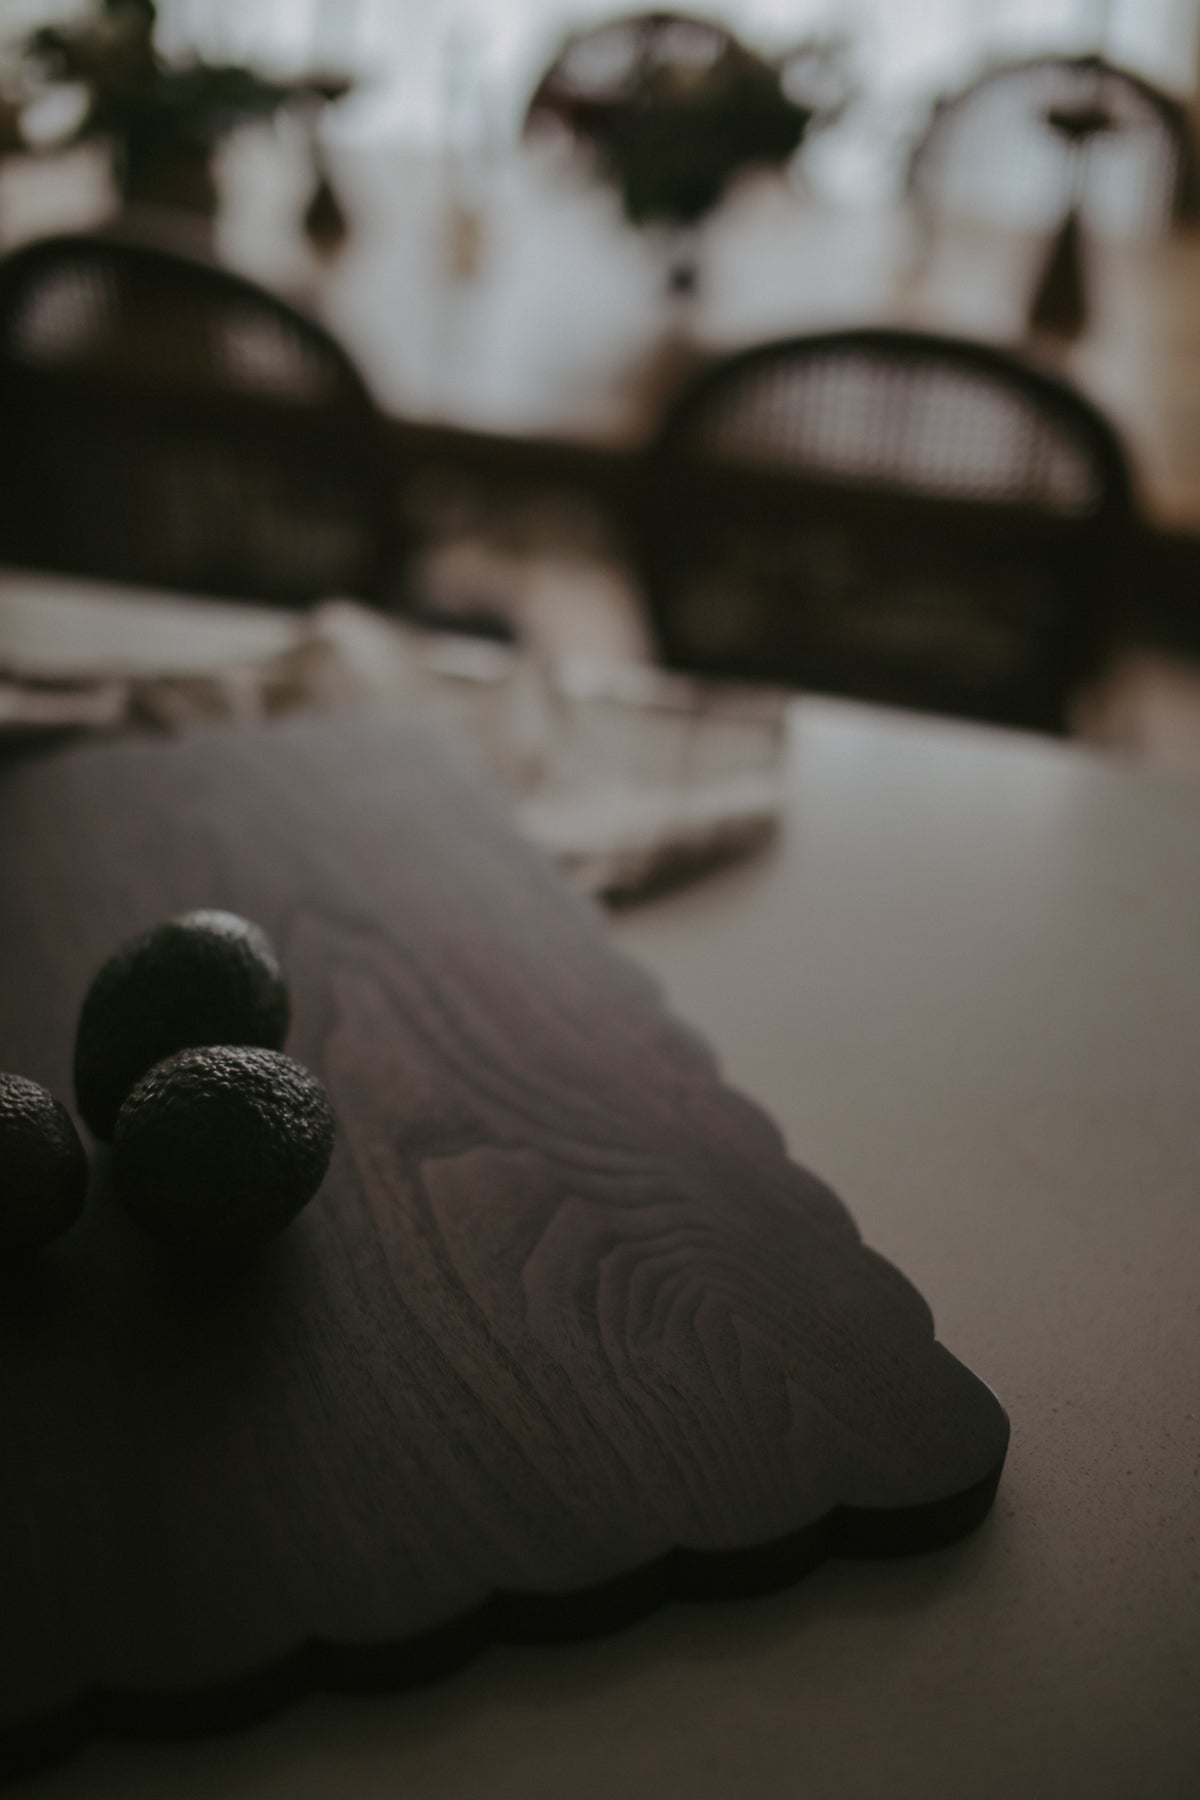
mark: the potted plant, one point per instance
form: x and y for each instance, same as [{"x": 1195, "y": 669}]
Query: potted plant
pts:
[
  {"x": 674, "y": 110},
  {"x": 162, "y": 119}
]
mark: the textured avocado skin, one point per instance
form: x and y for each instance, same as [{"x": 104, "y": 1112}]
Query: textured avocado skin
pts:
[
  {"x": 205, "y": 978},
  {"x": 217, "y": 1149},
  {"x": 43, "y": 1168}
]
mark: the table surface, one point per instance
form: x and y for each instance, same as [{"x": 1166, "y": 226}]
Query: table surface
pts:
[{"x": 966, "y": 982}]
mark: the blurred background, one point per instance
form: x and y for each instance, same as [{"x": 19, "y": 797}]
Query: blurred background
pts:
[{"x": 848, "y": 348}]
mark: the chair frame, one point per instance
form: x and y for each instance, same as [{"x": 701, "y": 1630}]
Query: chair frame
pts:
[
  {"x": 352, "y": 429},
  {"x": 1172, "y": 112},
  {"x": 679, "y": 483}
]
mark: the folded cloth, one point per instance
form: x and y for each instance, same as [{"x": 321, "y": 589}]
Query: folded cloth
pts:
[{"x": 628, "y": 776}]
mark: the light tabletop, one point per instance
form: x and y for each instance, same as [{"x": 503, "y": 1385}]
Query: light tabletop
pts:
[{"x": 966, "y": 982}]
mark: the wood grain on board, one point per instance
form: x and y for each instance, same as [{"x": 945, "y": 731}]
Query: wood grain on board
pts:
[{"x": 563, "y": 1334}]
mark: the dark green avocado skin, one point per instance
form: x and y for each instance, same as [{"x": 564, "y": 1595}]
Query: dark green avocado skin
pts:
[
  {"x": 217, "y": 1149},
  {"x": 206, "y": 978},
  {"x": 43, "y": 1168}
]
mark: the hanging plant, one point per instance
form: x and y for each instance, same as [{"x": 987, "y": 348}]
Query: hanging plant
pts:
[
  {"x": 674, "y": 110},
  {"x": 163, "y": 119}
]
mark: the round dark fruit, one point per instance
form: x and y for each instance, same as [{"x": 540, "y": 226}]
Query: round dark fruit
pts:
[
  {"x": 43, "y": 1169},
  {"x": 206, "y": 978},
  {"x": 217, "y": 1149}
]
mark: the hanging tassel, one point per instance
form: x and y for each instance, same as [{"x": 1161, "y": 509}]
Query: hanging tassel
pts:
[
  {"x": 325, "y": 222},
  {"x": 1059, "y": 305}
]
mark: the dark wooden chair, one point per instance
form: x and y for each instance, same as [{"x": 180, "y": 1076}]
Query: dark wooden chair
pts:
[
  {"x": 169, "y": 422},
  {"x": 1007, "y": 148},
  {"x": 917, "y": 520}
]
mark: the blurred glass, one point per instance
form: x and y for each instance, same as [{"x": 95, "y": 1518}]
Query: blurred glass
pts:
[{"x": 626, "y": 775}]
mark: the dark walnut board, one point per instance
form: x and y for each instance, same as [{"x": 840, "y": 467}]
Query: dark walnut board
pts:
[{"x": 563, "y": 1334}]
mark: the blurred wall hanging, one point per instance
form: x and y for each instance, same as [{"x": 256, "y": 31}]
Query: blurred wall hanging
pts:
[
  {"x": 161, "y": 118},
  {"x": 673, "y": 110}
]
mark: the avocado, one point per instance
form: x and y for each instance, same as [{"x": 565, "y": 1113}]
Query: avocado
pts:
[
  {"x": 217, "y": 1149},
  {"x": 43, "y": 1169},
  {"x": 205, "y": 978}
]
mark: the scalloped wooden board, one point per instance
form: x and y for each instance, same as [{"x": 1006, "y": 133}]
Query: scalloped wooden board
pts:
[{"x": 563, "y": 1334}]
